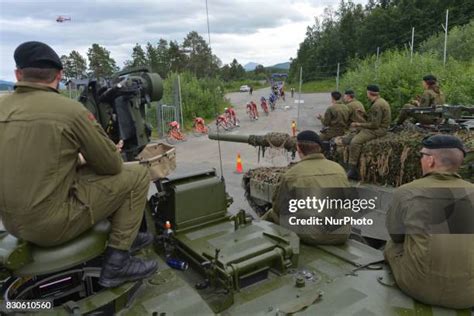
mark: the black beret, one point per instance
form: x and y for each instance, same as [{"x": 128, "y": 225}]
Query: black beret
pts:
[
  {"x": 373, "y": 88},
  {"x": 336, "y": 95},
  {"x": 308, "y": 136},
  {"x": 36, "y": 55},
  {"x": 349, "y": 92},
  {"x": 429, "y": 78},
  {"x": 443, "y": 141}
]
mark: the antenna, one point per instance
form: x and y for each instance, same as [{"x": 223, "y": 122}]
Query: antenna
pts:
[{"x": 215, "y": 107}]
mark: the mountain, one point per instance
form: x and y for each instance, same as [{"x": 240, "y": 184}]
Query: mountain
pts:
[
  {"x": 285, "y": 66},
  {"x": 6, "y": 85},
  {"x": 250, "y": 66}
]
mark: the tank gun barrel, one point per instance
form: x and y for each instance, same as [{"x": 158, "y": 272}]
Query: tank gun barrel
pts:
[{"x": 277, "y": 140}]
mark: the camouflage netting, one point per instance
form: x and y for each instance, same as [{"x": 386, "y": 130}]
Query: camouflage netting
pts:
[
  {"x": 394, "y": 160},
  {"x": 274, "y": 140},
  {"x": 390, "y": 160},
  {"x": 265, "y": 175}
]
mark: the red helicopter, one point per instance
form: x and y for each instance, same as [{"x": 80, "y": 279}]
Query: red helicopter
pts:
[{"x": 61, "y": 19}]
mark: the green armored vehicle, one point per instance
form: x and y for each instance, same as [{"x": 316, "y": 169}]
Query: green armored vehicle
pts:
[{"x": 210, "y": 262}]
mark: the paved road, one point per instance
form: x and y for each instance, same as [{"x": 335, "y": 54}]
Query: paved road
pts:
[{"x": 202, "y": 153}]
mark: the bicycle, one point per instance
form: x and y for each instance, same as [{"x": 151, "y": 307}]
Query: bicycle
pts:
[
  {"x": 252, "y": 111},
  {"x": 264, "y": 106},
  {"x": 232, "y": 117},
  {"x": 174, "y": 134},
  {"x": 223, "y": 122},
  {"x": 199, "y": 127}
]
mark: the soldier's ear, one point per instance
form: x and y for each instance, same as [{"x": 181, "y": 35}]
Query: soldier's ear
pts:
[{"x": 18, "y": 74}]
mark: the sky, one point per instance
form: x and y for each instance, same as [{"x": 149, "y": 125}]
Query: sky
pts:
[{"x": 262, "y": 31}]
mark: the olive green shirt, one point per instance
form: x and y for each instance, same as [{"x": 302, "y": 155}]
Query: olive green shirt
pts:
[
  {"x": 379, "y": 115},
  {"x": 41, "y": 135},
  {"x": 356, "y": 111},
  {"x": 434, "y": 250},
  {"x": 312, "y": 172},
  {"x": 336, "y": 116},
  {"x": 431, "y": 98}
]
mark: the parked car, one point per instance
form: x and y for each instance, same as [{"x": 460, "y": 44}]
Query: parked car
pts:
[{"x": 244, "y": 88}]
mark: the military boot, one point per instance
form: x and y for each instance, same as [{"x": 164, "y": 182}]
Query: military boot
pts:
[
  {"x": 120, "y": 267},
  {"x": 353, "y": 173},
  {"x": 141, "y": 241}
]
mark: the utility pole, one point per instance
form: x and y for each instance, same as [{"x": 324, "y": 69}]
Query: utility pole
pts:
[
  {"x": 412, "y": 43},
  {"x": 445, "y": 27},
  {"x": 337, "y": 78},
  {"x": 208, "y": 29},
  {"x": 299, "y": 95}
]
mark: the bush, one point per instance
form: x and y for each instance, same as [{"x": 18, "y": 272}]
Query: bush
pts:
[
  {"x": 400, "y": 80},
  {"x": 200, "y": 97}
]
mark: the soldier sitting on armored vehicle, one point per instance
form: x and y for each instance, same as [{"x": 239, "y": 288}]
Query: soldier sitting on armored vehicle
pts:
[
  {"x": 431, "y": 224},
  {"x": 46, "y": 197},
  {"x": 313, "y": 172},
  {"x": 378, "y": 121},
  {"x": 432, "y": 96},
  {"x": 356, "y": 109},
  {"x": 336, "y": 118}
]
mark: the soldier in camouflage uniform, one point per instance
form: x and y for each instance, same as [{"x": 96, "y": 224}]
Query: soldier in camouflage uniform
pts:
[
  {"x": 46, "y": 196},
  {"x": 432, "y": 96},
  {"x": 336, "y": 118},
  {"x": 356, "y": 109},
  {"x": 431, "y": 224},
  {"x": 378, "y": 121},
  {"x": 313, "y": 172}
]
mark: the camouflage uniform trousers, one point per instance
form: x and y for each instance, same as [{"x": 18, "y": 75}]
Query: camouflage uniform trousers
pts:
[
  {"x": 121, "y": 198},
  {"x": 418, "y": 117},
  {"x": 330, "y": 133},
  {"x": 356, "y": 141}
]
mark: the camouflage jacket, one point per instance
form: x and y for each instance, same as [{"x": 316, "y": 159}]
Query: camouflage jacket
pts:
[
  {"x": 336, "y": 116},
  {"x": 379, "y": 115},
  {"x": 311, "y": 173},
  {"x": 431, "y": 98},
  {"x": 356, "y": 112},
  {"x": 41, "y": 135}
]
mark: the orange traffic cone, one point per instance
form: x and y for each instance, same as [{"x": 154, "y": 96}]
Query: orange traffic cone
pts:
[{"x": 238, "y": 167}]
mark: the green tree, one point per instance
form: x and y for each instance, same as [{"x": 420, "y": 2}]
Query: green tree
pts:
[
  {"x": 201, "y": 61},
  {"x": 74, "y": 65},
  {"x": 163, "y": 55},
  {"x": 177, "y": 58},
  {"x": 100, "y": 62}
]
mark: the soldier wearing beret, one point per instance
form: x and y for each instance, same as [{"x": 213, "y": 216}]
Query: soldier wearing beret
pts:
[
  {"x": 47, "y": 196},
  {"x": 431, "y": 224},
  {"x": 432, "y": 96},
  {"x": 313, "y": 172},
  {"x": 335, "y": 119},
  {"x": 356, "y": 109},
  {"x": 378, "y": 121}
]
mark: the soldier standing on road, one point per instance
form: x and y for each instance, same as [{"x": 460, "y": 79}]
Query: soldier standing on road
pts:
[
  {"x": 378, "y": 121},
  {"x": 356, "y": 109},
  {"x": 251, "y": 90},
  {"x": 432, "y": 96},
  {"x": 46, "y": 197},
  {"x": 431, "y": 224},
  {"x": 313, "y": 172},
  {"x": 335, "y": 118},
  {"x": 292, "y": 92}
]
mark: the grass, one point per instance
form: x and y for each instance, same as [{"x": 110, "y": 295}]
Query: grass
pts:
[{"x": 326, "y": 85}]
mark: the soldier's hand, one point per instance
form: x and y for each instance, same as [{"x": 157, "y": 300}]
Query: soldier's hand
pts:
[
  {"x": 355, "y": 124},
  {"x": 319, "y": 116},
  {"x": 119, "y": 145}
]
